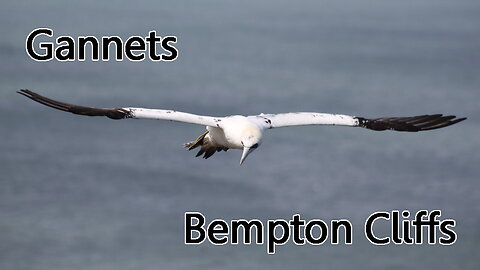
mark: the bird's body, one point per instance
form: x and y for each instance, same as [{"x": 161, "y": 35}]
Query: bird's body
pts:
[
  {"x": 246, "y": 132},
  {"x": 227, "y": 133},
  {"x": 220, "y": 139}
]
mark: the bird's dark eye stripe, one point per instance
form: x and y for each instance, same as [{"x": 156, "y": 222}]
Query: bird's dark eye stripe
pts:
[{"x": 254, "y": 146}]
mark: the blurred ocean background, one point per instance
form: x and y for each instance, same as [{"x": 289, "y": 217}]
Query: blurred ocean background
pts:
[{"x": 92, "y": 193}]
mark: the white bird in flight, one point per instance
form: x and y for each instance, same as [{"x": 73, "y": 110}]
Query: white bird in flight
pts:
[{"x": 245, "y": 132}]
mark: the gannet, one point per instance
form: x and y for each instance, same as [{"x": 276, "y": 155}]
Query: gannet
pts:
[{"x": 246, "y": 132}]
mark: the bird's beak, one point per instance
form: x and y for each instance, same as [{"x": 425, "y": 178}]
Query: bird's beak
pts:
[{"x": 246, "y": 152}]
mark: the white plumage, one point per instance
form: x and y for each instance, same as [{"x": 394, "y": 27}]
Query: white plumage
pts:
[{"x": 246, "y": 132}]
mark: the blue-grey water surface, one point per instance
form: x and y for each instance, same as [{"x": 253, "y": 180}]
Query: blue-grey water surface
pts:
[{"x": 92, "y": 193}]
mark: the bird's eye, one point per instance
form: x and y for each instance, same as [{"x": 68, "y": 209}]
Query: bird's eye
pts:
[{"x": 254, "y": 146}]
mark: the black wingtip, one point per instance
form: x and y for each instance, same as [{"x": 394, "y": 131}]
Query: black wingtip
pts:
[
  {"x": 25, "y": 92},
  {"x": 112, "y": 113},
  {"x": 410, "y": 124}
]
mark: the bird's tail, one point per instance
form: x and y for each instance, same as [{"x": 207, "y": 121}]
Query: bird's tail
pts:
[
  {"x": 197, "y": 142},
  {"x": 207, "y": 147}
]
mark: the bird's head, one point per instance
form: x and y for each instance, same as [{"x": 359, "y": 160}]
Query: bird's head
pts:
[{"x": 251, "y": 140}]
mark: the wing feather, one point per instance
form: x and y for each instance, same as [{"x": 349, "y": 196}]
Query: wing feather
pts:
[
  {"x": 305, "y": 118},
  {"x": 113, "y": 113},
  {"x": 411, "y": 124},
  {"x": 122, "y": 113}
]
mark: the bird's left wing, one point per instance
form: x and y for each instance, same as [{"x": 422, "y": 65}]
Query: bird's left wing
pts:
[
  {"x": 411, "y": 124},
  {"x": 127, "y": 112},
  {"x": 303, "y": 119}
]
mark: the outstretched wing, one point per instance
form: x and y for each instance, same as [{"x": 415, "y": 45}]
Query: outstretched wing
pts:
[
  {"x": 122, "y": 113},
  {"x": 412, "y": 124}
]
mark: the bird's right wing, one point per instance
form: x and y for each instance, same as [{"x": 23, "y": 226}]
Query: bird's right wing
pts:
[
  {"x": 127, "y": 112},
  {"x": 411, "y": 124}
]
